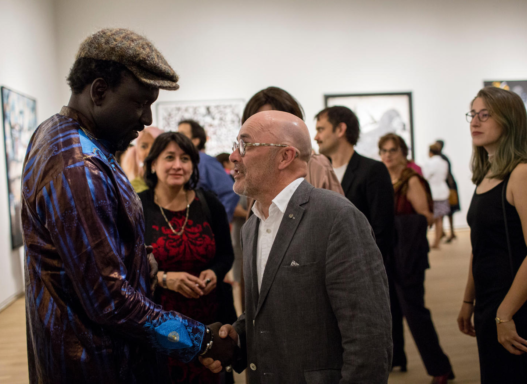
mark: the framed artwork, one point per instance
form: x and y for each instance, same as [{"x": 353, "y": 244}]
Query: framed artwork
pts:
[
  {"x": 20, "y": 121},
  {"x": 221, "y": 120},
  {"x": 378, "y": 114},
  {"x": 516, "y": 86}
]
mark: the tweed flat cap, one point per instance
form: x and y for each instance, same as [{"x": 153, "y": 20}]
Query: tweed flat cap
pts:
[{"x": 133, "y": 51}]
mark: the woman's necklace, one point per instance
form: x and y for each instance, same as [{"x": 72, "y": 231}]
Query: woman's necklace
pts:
[{"x": 168, "y": 222}]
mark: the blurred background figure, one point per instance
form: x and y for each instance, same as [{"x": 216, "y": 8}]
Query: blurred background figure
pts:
[
  {"x": 240, "y": 214},
  {"x": 497, "y": 217},
  {"x": 189, "y": 231},
  {"x": 134, "y": 157},
  {"x": 406, "y": 267},
  {"x": 453, "y": 198},
  {"x": 212, "y": 176},
  {"x": 435, "y": 170}
]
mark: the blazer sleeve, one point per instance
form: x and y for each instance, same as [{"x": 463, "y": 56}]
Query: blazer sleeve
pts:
[
  {"x": 239, "y": 326},
  {"x": 381, "y": 205},
  {"x": 220, "y": 227},
  {"x": 357, "y": 288}
]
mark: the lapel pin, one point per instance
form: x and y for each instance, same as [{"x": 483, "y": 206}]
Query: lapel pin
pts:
[{"x": 291, "y": 216}]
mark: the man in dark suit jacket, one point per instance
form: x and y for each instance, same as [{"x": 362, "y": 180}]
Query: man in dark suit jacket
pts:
[
  {"x": 366, "y": 182},
  {"x": 317, "y": 305}
]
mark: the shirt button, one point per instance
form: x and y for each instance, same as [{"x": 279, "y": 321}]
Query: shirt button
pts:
[
  {"x": 268, "y": 230},
  {"x": 253, "y": 367}
]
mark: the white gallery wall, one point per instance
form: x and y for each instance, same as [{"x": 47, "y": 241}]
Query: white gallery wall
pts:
[
  {"x": 441, "y": 51},
  {"x": 28, "y": 64}
]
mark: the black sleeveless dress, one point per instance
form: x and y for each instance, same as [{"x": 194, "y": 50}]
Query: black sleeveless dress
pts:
[{"x": 493, "y": 271}]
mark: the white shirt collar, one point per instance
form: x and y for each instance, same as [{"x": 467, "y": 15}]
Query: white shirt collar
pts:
[{"x": 281, "y": 200}]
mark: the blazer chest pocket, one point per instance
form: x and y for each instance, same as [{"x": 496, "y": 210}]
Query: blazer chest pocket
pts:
[
  {"x": 323, "y": 376},
  {"x": 298, "y": 278}
]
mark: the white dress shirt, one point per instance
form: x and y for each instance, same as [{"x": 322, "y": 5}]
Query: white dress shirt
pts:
[
  {"x": 269, "y": 227},
  {"x": 340, "y": 171},
  {"x": 435, "y": 170}
]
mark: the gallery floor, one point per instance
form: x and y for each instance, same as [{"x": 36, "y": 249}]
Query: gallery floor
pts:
[{"x": 444, "y": 289}]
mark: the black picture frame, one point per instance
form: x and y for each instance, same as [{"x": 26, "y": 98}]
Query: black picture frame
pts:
[
  {"x": 19, "y": 117},
  {"x": 378, "y": 113}
]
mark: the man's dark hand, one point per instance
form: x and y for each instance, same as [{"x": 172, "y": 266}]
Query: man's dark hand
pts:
[
  {"x": 153, "y": 266},
  {"x": 224, "y": 349}
]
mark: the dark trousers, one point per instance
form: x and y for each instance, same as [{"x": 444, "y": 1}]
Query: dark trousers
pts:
[{"x": 408, "y": 300}]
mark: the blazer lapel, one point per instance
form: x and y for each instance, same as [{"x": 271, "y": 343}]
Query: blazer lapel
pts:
[
  {"x": 292, "y": 217},
  {"x": 250, "y": 247},
  {"x": 350, "y": 173}
]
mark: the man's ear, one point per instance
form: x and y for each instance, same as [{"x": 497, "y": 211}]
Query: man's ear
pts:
[
  {"x": 341, "y": 129},
  {"x": 288, "y": 155},
  {"x": 98, "y": 91},
  {"x": 195, "y": 141}
]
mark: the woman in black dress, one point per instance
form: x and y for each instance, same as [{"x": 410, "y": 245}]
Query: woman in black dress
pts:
[
  {"x": 498, "y": 220},
  {"x": 189, "y": 233}
]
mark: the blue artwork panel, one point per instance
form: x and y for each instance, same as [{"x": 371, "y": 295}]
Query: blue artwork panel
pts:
[{"x": 20, "y": 121}]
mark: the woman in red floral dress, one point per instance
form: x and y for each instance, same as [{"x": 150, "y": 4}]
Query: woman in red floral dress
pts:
[{"x": 189, "y": 232}]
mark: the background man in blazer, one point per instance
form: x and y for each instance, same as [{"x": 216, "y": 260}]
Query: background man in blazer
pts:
[
  {"x": 317, "y": 306},
  {"x": 366, "y": 182}
]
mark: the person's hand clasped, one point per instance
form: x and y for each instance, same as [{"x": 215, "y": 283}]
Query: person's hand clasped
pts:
[
  {"x": 464, "y": 319},
  {"x": 224, "y": 348},
  {"x": 209, "y": 277},
  {"x": 186, "y": 284},
  {"x": 510, "y": 340}
]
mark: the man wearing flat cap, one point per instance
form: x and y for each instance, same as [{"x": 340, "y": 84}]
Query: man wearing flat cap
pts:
[{"x": 89, "y": 314}]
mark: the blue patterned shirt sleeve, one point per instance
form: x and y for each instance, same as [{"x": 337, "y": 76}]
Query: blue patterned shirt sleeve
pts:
[{"x": 81, "y": 210}]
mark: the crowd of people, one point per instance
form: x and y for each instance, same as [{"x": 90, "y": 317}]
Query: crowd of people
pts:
[{"x": 130, "y": 233}]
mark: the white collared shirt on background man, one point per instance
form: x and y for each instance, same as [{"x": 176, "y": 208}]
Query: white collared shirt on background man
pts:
[{"x": 269, "y": 227}]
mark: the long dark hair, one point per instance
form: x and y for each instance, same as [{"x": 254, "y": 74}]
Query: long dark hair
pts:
[
  {"x": 160, "y": 144},
  {"x": 279, "y": 99}
]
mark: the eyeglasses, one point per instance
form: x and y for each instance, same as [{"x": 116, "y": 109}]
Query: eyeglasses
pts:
[
  {"x": 242, "y": 146},
  {"x": 391, "y": 151},
  {"x": 482, "y": 115}
]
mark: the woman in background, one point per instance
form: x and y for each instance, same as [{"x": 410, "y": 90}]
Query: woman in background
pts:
[
  {"x": 189, "y": 233},
  {"x": 406, "y": 269},
  {"x": 435, "y": 171},
  {"x": 134, "y": 157},
  {"x": 497, "y": 216}
]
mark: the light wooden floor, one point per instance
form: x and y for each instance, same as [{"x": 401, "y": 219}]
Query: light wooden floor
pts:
[{"x": 445, "y": 283}]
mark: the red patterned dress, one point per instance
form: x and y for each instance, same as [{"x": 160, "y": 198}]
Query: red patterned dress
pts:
[{"x": 194, "y": 251}]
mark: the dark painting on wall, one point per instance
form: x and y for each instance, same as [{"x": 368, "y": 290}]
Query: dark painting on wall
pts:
[
  {"x": 516, "y": 86},
  {"x": 378, "y": 114},
  {"x": 20, "y": 121}
]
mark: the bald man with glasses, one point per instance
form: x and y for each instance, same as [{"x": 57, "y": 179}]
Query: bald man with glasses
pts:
[{"x": 317, "y": 307}]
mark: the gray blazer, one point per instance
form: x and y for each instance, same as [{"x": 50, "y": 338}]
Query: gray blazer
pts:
[{"x": 327, "y": 319}]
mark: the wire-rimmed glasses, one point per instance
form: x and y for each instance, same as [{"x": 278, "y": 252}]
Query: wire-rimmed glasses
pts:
[
  {"x": 482, "y": 115},
  {"x": 242, "y": 146}
]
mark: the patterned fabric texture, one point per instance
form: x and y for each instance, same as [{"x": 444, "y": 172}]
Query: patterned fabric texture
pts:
[
  {"x": 89, "y": 315},
  {"x": 133, "y": 51}
]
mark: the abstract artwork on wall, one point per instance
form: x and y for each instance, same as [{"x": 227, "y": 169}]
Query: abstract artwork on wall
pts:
[
  {"x": 221, "y": 120},
  {"x": 378, "y": 114},
  {"x": 516, "y": 86},
  {"x": 20, "y": 121}
]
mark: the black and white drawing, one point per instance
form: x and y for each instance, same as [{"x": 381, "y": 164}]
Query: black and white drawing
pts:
[
  {"x": 379, "y": 114},
  {"x": 221, "y": 120}
]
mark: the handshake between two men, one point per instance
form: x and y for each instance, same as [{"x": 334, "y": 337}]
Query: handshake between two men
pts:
[{"x": 220, "y": 348}]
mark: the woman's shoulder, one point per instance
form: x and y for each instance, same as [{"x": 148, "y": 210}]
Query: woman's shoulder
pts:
[
  {"x": 211, "y": 199},
  {"x": 519, "y": 175},
  {"x": 146, "y": 197}
]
